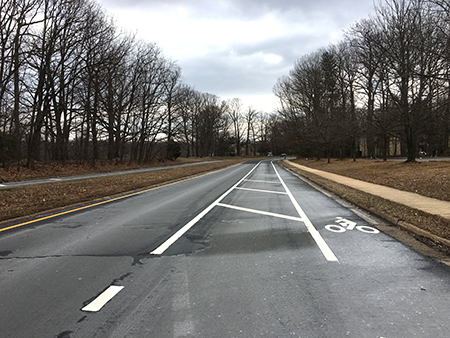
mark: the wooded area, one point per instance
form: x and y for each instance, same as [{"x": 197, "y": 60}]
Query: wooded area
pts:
[
  {"x": 386, "y": 85},
  {"x": 74, "y": 87}
]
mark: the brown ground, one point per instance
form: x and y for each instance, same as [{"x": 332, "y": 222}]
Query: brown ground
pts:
[
  {"x": 29, "y": 200},
  {"x": 50, "y": 170},
  {"x": 430, "y": 179}
]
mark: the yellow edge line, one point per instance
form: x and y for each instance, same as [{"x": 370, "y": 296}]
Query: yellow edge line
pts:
[{"x": 100, "y": 203}]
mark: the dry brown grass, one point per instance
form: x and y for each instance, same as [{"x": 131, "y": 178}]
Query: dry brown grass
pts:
[
  {"x": 29, "y": 200},
  {"x": 431, "y": 179},
  {"x": 47, "y": 170}
]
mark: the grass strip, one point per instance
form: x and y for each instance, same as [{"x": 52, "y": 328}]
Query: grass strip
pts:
[{"x": 30, "y": 200}]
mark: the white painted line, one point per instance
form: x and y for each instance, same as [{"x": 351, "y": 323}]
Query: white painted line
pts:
[
  {"x": 258, "y": 181},
  {"x": 292, "y": 218},
  {"x": 335, "y": 228},
  {"x": 323, "y": 246},
  {"x": 55, "y": 179},
  {"x": 104, "y": 298},
  {"x": 345, "y": 223},
  {"x": 2, "y": 185},
  {"x": 163, "y": 247},
  {"x": 367, "y": 229},
  {"x": 266, "y": 191}
]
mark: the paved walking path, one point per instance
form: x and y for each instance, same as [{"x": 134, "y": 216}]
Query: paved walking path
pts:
[{"x": 429, "y": 205}]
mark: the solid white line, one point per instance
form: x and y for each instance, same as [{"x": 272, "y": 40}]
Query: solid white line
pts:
[
  {"x": 163, "y": 247},
  {"x": 292, "y": 218},
  {"x": 267, "y": 191},
  {"x": 104, "y": 298},
  {"x": 323, "y": 246}
]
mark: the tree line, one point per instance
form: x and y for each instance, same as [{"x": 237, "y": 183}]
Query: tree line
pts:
[
  {"x": 74, "y": 87},
  {"x": 383, "y": 90}
]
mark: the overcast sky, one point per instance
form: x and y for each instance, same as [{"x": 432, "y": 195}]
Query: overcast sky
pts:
[{"x": 237, "y": 48}]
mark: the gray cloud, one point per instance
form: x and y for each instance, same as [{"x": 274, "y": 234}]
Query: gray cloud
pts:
[
  {"x": 249, "y": 66},
  {"x": 237, "y": 71},
  {"x": 252, "y": 9}
]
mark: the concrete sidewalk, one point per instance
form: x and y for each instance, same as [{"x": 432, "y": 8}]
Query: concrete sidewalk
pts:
[{"x": 426, "y": 204}]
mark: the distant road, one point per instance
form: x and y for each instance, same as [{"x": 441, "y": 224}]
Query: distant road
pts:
[{"x": 82, "y": 177}]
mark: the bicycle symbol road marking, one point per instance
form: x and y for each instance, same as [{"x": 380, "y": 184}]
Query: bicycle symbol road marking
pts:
[{"x": 345, "y": 224}]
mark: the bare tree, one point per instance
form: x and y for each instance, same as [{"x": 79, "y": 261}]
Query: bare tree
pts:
[
  {"x": 250, "y": 121},
  {"x": 365, "y": 37},
  {"x": 77, "y": 87},
  {"x": 311, "y": 100},
  {"x": 171, "y": 87},
  {"x": 185, "y": 109},
  {"x": 235, "y": 114},
  {"x": 16, "y": 20},
  {"x": 409, "y": 45}
]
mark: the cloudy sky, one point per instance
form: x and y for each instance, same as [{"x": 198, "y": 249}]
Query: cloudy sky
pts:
[{"x": 238, "y": 48}]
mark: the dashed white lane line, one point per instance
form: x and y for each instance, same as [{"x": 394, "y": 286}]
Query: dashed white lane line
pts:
[
  {"x": 265, "y": 191},
  {"x": 164, "y": 246},
  {"x": 260, "y": 212},
  {"x": 323, "y": 246},
  {"x": 102, "y": 299}
]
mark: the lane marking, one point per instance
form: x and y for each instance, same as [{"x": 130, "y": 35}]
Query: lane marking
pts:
[
  {"x": 367, "y": 229},
  {"x": 323, "y": 246},
  {"x": 164, "y": 246},
  {"x": 335, "y": 228},
  {"x": 254, "y": 211},
  {"x": 345, "y": 223},
  {"x": 104, "y": 202},
  {"x": 260, "y": 181},
  {"x": 266, "y": 191},
  {"x": 102, "y": 299}
]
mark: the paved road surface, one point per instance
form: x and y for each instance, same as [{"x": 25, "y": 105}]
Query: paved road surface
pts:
[{"x": 248, "y": 251}]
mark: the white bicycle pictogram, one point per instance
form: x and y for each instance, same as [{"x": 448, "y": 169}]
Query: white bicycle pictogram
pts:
[{"x": 345, "y": 224}]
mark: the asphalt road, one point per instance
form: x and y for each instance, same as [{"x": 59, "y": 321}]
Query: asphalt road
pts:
[{"x": 248, "y": 251}]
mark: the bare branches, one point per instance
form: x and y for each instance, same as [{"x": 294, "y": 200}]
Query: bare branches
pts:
[
  {"x": 393, "y": 68},
  {"x": 73, "y": 87}
]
